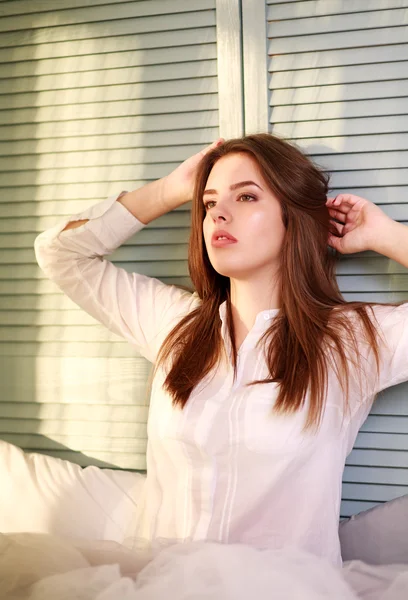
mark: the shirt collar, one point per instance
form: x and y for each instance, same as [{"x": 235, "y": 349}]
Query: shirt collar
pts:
[{"x": 263, "y": 317}]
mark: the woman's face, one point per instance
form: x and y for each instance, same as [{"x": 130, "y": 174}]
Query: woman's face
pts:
[{"x": 247, "y": 211}]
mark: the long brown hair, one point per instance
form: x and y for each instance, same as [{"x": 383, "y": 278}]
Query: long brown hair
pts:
[{"x": 312, "y": 329}]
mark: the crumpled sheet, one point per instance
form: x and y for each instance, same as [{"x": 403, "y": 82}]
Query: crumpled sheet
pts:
[{"x": 44, "y": 567}]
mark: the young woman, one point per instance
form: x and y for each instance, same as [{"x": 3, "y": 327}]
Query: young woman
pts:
[{"x": 264, "y": 373}]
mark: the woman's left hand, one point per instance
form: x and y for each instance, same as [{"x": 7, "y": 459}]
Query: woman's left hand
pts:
[{"x": 356, "y": 223}]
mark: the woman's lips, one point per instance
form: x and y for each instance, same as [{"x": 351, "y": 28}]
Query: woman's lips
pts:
[{"x": 221, "y": 243}]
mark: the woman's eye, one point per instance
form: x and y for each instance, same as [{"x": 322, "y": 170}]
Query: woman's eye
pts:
[
  {"x": 206, "y": 204},
  {"x": 246, "y": 196}
]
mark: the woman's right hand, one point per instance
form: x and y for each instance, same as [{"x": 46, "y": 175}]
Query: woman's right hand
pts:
[{"x": 179, "y": 184}]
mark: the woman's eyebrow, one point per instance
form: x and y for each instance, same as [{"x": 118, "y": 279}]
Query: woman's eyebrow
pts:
[{"x": 235, "y": 186}]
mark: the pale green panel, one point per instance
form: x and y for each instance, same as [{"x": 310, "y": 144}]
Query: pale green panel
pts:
[
  {"x": 345, "y": 75},
  {"x": 105, "y": 110},
  {"x": 22, "y": 7},
  {"x": 150, "y": 73},
  {"x": 338, "y": 58},
  {"x": 98, "y": 97},
  {"x": 152, "y": 140},
  {"x": 338, "y": 126},
  {"x": 316, "y": 94},
  {"x": 362, "y": 161},
  {"x": 338, "y": 73},
  {"x": 154, "y": 269},
  {"x": 335, "y": 39},
  {"x": 378, "y": 458},
  {"x": 138, "y": 58},
  {"x": 111, "y": 125},
  {"x": 96, "y": 158},
  {"x": 81, "y": 13},
  {"x": 339, "y": 110},
  {"x": 126, "y": 254},
  {"x": 66, "y": 349},
  {"x": 145, "y": 237},
  {"x": 88, "y": 174},
  {"x": 151, "y": 7},
  {"x": 346, "y": 23},
  {"x": 353, "y": 144},
  {"x": 291, "y": 9},
  {"x": 160, "y": 26},
  {"x": 109, "y": 45},
  {"x": 371, "y": 283},
  {"x": 372, "y": 492},
  {"x": 375, "y": 475},
  {"x": 351, "y": 265},
  {"x": 379, "y": 195},
  {"x": 135, "y": 92},
  {"x": 23, "y": 224}
]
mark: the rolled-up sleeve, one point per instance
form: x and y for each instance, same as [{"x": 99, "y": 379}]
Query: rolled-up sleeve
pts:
[
  {"x": 393, "y": 321},
  {"x": 140, "y": 309}
]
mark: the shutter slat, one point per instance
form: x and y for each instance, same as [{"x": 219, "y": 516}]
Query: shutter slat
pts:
[
  {"x": 154, "y": 269},
  {"x": 338, "y": 58},
  {"x": 130, "y": 255},
  {"x": 346, "y": 22},
  {"x": 86, "y": 14},
  {"x": 173, "y": 219},
  {"x": 151, "y": 139},
  {"x": 295, "y": 8},
  {"x": 123, "y": 43},
  {"x": 176, "y": 235},
  {"x": 205, "y": 68},
  {"x": 345, "y": 75},
  {"x": 105, "y": 110},
  {"x": 374, "y": 475},
  {"x": 161, "y": 26},
  {"x": 95, "y": 158},
  {"x": 345, "y": 110},
  {"x": 332, "y": 93},
  {"x": 138, "y": 58},
  {"x": 332, "y": 41}
]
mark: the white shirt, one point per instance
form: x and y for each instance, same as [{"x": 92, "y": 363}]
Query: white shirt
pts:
[{"x": 225, "y": 468}]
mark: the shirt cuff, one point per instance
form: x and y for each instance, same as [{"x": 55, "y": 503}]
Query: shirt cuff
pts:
[{"x": 109, "y": 221}]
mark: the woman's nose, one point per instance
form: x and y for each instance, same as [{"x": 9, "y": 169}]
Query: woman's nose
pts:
[
  {"x": 219, "y": 217},
  {"x": 221, "y": 213}
]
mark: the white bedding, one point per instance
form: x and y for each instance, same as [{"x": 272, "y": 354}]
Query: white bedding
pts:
[
  {"x": 40, "y": 493},
  {"x": 43, "y": 567}
]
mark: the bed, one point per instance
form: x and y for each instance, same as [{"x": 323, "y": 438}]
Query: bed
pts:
[{"x": 63, "y": 529}]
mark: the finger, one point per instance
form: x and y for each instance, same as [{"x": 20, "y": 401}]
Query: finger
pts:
[
  {"x": 334, "y": 242},
  {"x": 347, "y": 199},
  {"x": 336, "y": 228},
  {"x": 338, "y": 214},
  {"x": 215, "y": 143}
]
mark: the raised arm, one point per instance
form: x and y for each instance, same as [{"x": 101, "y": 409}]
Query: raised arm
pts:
[
  {"x": 358, "y": 225},
  {"x": 140, "y": 309}
]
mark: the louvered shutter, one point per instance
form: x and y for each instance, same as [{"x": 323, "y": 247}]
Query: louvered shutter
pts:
[
  {"x": 337, "y": 81},
  {"x": 96, "y": 96}
]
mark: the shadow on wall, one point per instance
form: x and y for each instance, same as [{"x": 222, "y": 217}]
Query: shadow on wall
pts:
[{"x": 70, "y": 388}]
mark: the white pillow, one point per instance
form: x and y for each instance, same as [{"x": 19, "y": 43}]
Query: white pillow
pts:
[{"x": 39, "y": 493}]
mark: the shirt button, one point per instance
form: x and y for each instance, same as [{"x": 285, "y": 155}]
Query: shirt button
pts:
[{"x": 266, "y": 316}]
